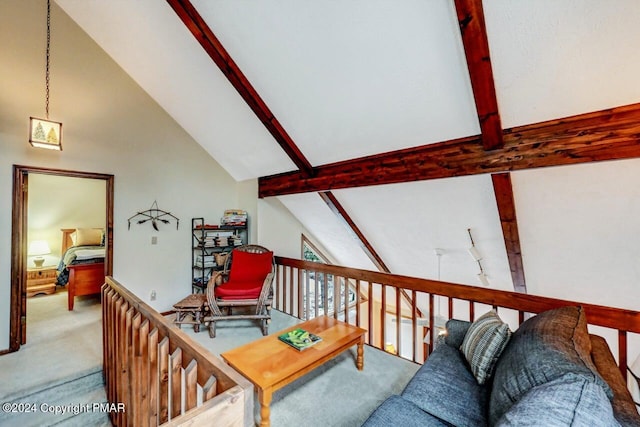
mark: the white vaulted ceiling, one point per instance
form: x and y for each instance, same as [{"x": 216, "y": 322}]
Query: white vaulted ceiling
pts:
[{"x": 360, "y": 77}]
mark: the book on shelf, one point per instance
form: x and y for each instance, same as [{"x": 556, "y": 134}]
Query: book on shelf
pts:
[{"x": 299, "y": 339}]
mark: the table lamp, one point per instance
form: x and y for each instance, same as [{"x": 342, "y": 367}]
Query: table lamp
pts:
[{"x": 38, "y": 248}]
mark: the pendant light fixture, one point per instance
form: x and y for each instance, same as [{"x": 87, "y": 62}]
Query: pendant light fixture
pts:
[
  {"x": 44, "y": 133},
  {"x": 482, "y": 276}
]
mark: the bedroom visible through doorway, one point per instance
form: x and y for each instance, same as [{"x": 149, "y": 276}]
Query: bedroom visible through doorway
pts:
[{"x": 46, "y": 204}]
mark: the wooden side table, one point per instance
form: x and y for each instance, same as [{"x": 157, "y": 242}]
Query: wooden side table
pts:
[
  {"x": 41, "y": 280},
  {"x": 190, "y": 311}
]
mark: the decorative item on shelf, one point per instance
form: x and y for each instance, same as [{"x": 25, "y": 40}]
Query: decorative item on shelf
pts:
[
  {"x": 154, "y": 214},
  {"x": 482, "y": 276},
  {"x": 234, "y": 217},
  {"x": 44, "y": 133},
  {"x": 211, "y": 245},
  {"x": 38, "y": 248},
  {"x": 221, "y": 258}
]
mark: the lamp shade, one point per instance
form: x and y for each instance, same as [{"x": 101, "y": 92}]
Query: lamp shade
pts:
[
  {"x": 483, "y": 279},
  {"x": 38, "y": 247},
  {"x": 475, "y": 253},
  {"x": 45, "y": 134}
]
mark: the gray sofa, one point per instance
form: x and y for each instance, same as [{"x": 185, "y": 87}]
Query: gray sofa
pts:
[{"x": 550, "y": 373}]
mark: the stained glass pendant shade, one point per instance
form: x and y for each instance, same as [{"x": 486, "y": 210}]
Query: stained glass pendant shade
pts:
[{"x": 45, "y": 134}]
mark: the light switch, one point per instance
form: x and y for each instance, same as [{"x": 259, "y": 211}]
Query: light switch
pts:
[{"x": 154, "y": 240}]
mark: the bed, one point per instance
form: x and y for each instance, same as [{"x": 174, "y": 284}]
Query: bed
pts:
[{"x": 81, "y": 268}]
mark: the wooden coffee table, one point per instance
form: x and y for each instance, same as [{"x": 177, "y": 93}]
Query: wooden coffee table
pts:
[{"x": 271, "y": 364}]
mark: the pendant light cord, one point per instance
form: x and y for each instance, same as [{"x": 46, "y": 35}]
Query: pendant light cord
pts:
[{"x": 46, "y": 104}]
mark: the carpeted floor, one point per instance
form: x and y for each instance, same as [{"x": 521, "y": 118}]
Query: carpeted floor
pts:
[
  {"x": 62, "y": 343},
  {"x": 335, "y": 394}
]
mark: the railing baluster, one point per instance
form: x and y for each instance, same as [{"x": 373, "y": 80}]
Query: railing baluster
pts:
[
  {"x": 358, "y": 302},
  {"x": 432, "y": 326},
  {"x": 143, "y": 365},
  {"x": 175, "y": 369},
  {"x": 414, "y": 325},
  {"x": 209, "y": 389},
  {"x": 345, "y": 285},
  {"x": 136, "y": 370},
  {"x": 291, "y": 294},
  {"x": 398, "y": 322},
  {"x": 301, "y": 272},
  {"x": 622, "y": 353},
  {"x": 383, "y": 315},
  {"x": 336, "y": 297},
  {"x": 278, "y": 286},
  {"x": 152, "y": 415},
  {"x": 191, "y": 385},
  {"x": 307, "y": 314},
  {"x": 287, "y": 284},
  {"x": 163, "y": 358},
  {"x": 325, "y": 294},
  {"x": 370, "y": 314}
]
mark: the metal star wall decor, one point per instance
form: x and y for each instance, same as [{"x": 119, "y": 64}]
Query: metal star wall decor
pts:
[{"x": 155, "y": 215}]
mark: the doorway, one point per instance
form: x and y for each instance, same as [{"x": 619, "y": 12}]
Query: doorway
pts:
[{"x": 18, "y": 315}]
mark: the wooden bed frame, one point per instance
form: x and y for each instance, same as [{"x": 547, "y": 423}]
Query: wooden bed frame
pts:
[{"x": 84, "y": 279}]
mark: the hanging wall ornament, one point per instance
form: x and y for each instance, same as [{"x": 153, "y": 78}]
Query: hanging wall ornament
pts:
[{"x": 153, "y": 215}]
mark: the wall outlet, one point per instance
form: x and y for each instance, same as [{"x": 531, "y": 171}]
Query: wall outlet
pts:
[
  {"x": 154, "y": 240},
  {"x": 152, "y": 297}
]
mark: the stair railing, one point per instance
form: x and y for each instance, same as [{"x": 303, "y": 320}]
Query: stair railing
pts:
[{"x": 160, "y": 376}]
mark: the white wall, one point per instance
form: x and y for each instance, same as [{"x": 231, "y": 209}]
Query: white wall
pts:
[
  {"x": 278, "y": 229},
  {"x": 110, "y": 126},
  {"x": 56, "y": 202}
]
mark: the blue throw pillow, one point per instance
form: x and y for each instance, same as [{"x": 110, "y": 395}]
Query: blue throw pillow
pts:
[{"x": 570, "y": 400}]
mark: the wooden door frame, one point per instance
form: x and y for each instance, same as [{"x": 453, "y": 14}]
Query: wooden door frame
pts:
[{"x": 18, "y": 315}]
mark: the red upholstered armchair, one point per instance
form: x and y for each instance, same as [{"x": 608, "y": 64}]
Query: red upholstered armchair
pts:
[{"x": 246, "y": 281}]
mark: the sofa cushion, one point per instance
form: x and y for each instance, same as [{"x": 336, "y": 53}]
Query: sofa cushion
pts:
[
  {"x": 570, "y": 400},
  {"x": 544, "y": 348},
  {"x": 396, "y": 411},
  {"x": 624, "y": 410},
  {"x": 456, "y": 331},
  {"x": 445, "y": 388},
  {"x": 483, "y": 344}
]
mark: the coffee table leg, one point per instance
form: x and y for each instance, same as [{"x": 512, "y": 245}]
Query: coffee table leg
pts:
[
  {"x": 265, "y": 411},
  {"x": 360, "y": 359}
]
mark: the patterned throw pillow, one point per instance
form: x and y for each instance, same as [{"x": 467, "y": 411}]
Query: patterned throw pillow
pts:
[{"x": 483, "y": 344}]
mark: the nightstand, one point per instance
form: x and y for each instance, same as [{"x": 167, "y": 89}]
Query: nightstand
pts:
[{"x": 41, "y": 280}]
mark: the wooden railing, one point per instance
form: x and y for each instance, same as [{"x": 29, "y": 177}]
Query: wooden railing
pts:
[
  {"x": 159, "y": 376},
  {"x": 370, "y": 299}
]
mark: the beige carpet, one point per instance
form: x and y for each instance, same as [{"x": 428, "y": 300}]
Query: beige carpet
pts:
[{"x": 60, "y": 343}]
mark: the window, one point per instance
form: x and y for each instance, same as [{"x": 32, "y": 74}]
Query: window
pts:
[{"x": 320, "y": 288}]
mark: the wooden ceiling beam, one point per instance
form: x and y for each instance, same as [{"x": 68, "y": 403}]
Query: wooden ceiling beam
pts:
[
  {"x": 611, "y": 134},
  {"x": 337, "y": 208},
  {"x": 476, "y": 50},
  {"x": 507, "y": 211},
  {"x": 342, "y": 214},
  {"x": 210, "y": 43}
]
